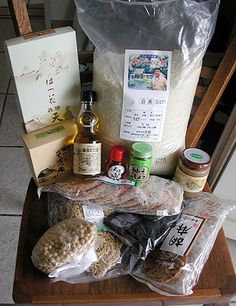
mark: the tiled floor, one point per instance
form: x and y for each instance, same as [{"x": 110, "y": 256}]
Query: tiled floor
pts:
[{"x": 14, "y": 171}]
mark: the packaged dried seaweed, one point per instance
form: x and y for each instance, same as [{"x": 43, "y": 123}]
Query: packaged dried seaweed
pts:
[{"x": 139, "y": 233}]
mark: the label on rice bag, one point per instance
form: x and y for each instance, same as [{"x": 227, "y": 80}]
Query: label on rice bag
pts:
[
  {"x": 181, "y": 237},
  {"x": 145, "y": 94}
]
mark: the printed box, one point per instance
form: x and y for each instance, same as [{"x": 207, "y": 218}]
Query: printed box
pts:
[
  {"x": 46, "y": 72},
  {"x": 50, "y": 151}
]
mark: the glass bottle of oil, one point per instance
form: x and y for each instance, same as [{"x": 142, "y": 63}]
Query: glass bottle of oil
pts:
[{"x": 87, "y": 147}]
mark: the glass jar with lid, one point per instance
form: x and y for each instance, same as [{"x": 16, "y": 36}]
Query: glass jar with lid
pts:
[{"x": 192, "y": 171}]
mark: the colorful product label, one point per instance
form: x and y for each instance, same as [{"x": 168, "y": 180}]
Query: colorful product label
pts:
[
  {"x": 61, "y": 166},
  {"x": 139, "y": 169},
  {"x": 145, "y": 94},
  {"x": 190, "y": 183},
  {"x": 87, "y": 159}
]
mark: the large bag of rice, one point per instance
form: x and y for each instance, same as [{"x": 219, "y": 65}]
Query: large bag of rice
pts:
[{"x": 146, "y": 67}]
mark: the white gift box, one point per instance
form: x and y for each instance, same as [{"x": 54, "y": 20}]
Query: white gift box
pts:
[{"x": 45, "y": 68}]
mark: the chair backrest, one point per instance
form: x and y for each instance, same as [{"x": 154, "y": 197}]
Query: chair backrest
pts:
[
  {"x": 211, "y": 94},
  {"x": 208, "y": 95}
]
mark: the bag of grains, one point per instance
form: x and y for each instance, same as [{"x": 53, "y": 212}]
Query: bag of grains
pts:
[
  {"x": 67, "y": 245},
  {"x": 106, "y": 246},
  {"x": 174, "y": 267},
  {"x": 147, "y": 63}
]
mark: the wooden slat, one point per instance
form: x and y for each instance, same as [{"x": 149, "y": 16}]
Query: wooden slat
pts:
[
  {"x": 200, "y": 91},
  {"x": 20, "y": 17},
  {"x": 85, "y": 57},
  {"x": 212, "y": 96},
  {"x": 207, "y": 73}
]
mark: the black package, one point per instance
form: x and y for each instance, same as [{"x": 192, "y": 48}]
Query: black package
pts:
[{"x": 139, "y": 233}]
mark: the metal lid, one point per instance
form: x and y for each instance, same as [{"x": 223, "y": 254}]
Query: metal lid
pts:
[
  {"x": 196, "y": 159},
  {"x": 142, "y": 150}
]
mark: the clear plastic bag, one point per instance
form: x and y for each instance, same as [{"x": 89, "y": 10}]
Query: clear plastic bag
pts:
[
  {"x": 60, "y": 208},
  {"x": 66, "y": 243},
  {"x": 183, "y": 27},
  {"x": 100, "y": 262},
  {"x": 107, "y": 247},
  {"x": 157, "y": 196},
  {"x": 170, "y": 273},
  {"x": 139, "y": 233}
]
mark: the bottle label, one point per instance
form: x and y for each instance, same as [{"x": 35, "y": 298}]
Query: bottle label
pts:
[
  {"x": 87, "y": 158},
  {"x": 145, "y": 94},
  {"x": 190, "y": 183},
  {"x": 115, "y": 172},
  {"x": 139, "y": 169}
]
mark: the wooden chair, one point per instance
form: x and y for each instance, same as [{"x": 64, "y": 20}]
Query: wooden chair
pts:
[{"x": 217, "y": 283}]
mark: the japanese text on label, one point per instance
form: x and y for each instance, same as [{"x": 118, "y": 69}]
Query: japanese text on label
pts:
[{"x": 180, "y": 237}]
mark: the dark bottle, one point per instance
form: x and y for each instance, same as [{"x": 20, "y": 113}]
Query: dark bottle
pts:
[
  {"x": 87, "y": 147},
  {"x": 115, "y": 167}
]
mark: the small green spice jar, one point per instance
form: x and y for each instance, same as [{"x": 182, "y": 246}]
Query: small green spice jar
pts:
[{"x": 140, "y": 162}]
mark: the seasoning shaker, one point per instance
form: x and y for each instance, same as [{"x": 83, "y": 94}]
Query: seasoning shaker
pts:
[
  {"x": 140, "y": 162},
  {"x": 192, "y": 171}
]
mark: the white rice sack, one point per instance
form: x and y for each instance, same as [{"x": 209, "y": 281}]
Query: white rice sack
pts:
[{"x": 108, "y": 82}]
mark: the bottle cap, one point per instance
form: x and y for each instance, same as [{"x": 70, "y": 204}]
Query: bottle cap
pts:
[
  {"x": 142, "y": 150},
  {"x": 117, "y": 153},
  {"x": 89, "y": 96},
  {"x": 196, "y": 159}
]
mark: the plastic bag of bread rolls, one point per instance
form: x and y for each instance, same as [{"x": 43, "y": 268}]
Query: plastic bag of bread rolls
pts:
[{"x": 63, "y": 243}]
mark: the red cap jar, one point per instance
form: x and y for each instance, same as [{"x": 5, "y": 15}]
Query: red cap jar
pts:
[
  {"x": 115, "y": 167},
  {"x": 117, "y": 153}
]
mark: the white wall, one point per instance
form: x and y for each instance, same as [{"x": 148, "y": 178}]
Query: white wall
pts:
[{"x": 226, "y": 189}]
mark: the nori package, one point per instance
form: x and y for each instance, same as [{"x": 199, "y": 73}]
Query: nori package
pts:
[{"x": 140, "y": 234}]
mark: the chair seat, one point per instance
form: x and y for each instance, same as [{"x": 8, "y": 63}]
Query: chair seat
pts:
[{"x": 217, "y": 282}]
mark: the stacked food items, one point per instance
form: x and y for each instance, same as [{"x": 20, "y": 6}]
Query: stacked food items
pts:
[
  {"x": 114, "y": 218},
  {"x": 107, "y": 215},
  {"x": 108, "y": 220},
  {"x": 144, "y": 225}
]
